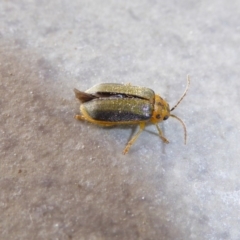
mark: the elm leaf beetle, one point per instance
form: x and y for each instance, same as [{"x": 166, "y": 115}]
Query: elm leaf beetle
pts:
[{"x": 109, "y": 104}]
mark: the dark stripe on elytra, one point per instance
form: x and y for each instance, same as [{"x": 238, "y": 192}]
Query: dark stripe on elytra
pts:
[
  {"x": 114, "y": 116},
  {"x": 116, "y": 95}
]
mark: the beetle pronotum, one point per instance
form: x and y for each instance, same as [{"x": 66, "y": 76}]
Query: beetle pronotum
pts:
[{"x": 110, "y": 104}]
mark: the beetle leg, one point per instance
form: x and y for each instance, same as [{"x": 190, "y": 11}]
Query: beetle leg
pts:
[
  {"x": 134, "y": 138},
  {"x": 161, "y": 134},
  {"x": 79, "y": 117}
]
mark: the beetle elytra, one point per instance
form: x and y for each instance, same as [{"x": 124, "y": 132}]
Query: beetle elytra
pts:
[{"x": 110, "y": 104}]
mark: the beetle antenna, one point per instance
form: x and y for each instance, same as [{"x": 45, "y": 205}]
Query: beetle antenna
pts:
[
  {"x": 184, "y": 94},
  {"x": 184, "y": 127}
]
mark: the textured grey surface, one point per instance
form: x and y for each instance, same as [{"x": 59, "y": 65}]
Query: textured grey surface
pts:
[{"x": 64, "y": 179}]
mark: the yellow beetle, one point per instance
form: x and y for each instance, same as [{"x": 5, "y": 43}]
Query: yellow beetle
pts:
[{"x": 109, "y": 104}]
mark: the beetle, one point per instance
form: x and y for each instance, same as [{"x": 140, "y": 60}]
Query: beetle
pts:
[{"x": 109, "y": 104}]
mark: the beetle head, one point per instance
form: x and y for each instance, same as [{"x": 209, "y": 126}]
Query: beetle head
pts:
[{"x": 161, "y": 110}]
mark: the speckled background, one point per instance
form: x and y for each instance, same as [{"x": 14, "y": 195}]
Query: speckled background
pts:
[{"x": 65, "y": 179}]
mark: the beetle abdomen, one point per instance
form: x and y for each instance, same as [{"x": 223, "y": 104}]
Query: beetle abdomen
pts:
[{"x": 119, "y": 109}]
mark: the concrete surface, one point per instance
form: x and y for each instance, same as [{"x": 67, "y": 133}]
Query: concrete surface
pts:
[{"x": 64, "y": 179}]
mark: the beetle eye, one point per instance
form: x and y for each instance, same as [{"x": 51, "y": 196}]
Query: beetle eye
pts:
[{"x": 165, "y": 118}]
